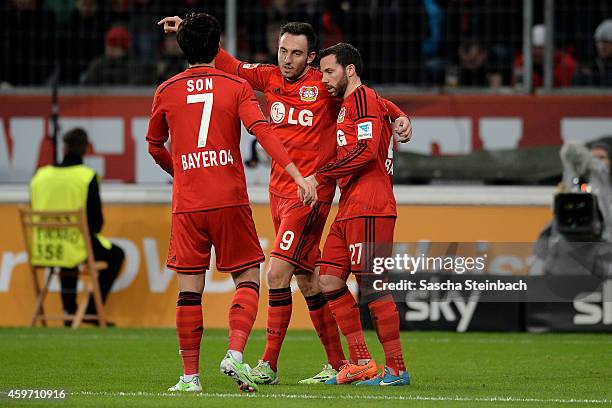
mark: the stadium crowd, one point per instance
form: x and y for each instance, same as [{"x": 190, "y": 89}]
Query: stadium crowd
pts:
[{"x": 424, "y": 42}]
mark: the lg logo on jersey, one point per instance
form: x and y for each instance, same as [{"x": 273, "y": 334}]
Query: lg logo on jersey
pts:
[{"x": 278, "y": 112}]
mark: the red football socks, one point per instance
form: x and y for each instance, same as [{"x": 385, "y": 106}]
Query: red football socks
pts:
[
  {"x": 326, "y": 328},
  {"x": 242, "y": 314},
  {"x": 279, "y": 316},
  {"x": 189, "y": 328},
  {"x": 346, "y": 312},
  {"x": 386, "y": 321}
]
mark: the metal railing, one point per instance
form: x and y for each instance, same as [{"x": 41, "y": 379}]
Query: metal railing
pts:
[{"x": 415, "y": 45}]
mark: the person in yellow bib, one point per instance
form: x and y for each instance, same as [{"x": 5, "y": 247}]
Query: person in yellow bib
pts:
[{"x": 68, "y": 186}]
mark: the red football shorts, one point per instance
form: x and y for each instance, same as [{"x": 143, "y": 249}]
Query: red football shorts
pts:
[
  {"x": 230, "y": 229},
  {"x": 298, "y": 231},
  {"x": 352, "y": 245}
]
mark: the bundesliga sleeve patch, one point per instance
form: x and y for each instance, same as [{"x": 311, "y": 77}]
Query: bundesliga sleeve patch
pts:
[{"x": 364, "y": 130}]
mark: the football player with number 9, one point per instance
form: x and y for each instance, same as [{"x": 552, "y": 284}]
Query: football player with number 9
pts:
[{"x": 303, "y": 114}]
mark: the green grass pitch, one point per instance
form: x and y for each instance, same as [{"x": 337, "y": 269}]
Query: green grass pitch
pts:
[{"x": 133, "y": 367}]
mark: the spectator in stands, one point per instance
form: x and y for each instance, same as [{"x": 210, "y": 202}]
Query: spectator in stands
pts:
[
  {"x": 115, "y": 67},
  {"x": 475, "y": 68},
  {"x": 600, "y": 71},
  {"x": 564, "y": 65},
  {"x": 145, "y": 36},
  {"x": 27, "y": 50},
  {"x": 172, "y": 60},
  {"x": 83, "y": 39}
]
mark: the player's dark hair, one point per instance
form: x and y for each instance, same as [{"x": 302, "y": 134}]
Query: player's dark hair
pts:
[
  {"x": 75, "y": 142},
  {"x": 198, "y": 36},
  {"x": 345, "y": 54},
  {"x": 299, "y": 28}
]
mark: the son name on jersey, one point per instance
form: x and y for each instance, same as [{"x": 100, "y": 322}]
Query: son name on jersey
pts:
[{"x": 200, "y": 84}]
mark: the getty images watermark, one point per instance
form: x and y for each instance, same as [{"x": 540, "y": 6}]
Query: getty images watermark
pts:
[
  {"x": 460, "y": 265},
  {"x": 450, "y": 277},
  {"x": 499, "y": 269},
  {"x": 490, "y": 271}
]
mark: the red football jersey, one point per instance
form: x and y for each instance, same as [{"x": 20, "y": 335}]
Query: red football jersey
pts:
[
  {"x": 364, "y": 161},
  {"x": 302, "y": 113},
  {"x": 201, "y": 108}
]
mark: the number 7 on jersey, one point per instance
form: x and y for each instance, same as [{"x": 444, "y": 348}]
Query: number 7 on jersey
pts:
[{"x": 207, "y": 99}]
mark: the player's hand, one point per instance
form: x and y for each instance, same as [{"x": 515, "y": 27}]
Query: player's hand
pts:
[
  {"x": 171, "y": 24},
  {"x": 307, "y": 190},
  {"x": 403, "y": 128}
]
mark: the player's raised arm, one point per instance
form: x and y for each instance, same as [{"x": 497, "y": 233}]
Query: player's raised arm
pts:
[
  {"x": 253, "y": 119},
  {"x": 257, "y": 75},
  {"x": 157, "y": 135}
]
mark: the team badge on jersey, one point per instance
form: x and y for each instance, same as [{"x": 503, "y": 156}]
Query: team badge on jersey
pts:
[
  {"x": 364, "y": 130},
  {"x": 309, "y": 93},
  {"x": 249, "y": 66},
  {"x": 341, "y": 115}
]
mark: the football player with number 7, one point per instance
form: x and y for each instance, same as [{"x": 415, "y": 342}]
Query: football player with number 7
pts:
[
  {"x": 303, "y": 114},
  {"x": 201, "y": 108}
]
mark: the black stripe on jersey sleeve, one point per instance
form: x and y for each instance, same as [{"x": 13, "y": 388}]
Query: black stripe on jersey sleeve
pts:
[
  {"x": 364, "y": 102},
  {"x": 254, "y": 123},
  {"x": 352, "y": 155},
  {"x": 357, "y": 103}
]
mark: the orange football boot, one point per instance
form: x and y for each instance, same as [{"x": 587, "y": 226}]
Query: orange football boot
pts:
[{"x": 350, "y": 373}]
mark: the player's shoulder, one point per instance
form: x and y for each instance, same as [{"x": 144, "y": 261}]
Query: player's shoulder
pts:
[
  {"x": 363, "y": 102},
  {"x": 258, "y": 67},
  {"x": 368, "y": 93},
  {"x": 315, "y": 73},
  {"x": 229, "y": 79},
  {"x": 161, "y": 88}
]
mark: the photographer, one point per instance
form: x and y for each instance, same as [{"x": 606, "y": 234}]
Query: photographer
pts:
[{"x": 558, "y": 252}]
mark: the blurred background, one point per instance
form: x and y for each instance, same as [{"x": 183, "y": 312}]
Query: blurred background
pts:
[
  {"x": 422, "y": 44},
  {"x": 494, "y": 89}
]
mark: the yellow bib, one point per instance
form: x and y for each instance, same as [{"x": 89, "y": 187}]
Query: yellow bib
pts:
[{"x": 60, "y": 189}]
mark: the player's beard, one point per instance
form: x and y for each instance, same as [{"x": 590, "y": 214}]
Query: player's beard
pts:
[{"x": 342, "y": 85}]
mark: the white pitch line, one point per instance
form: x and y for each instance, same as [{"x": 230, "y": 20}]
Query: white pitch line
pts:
[
  {"x": 349, "y": 397},
  {"x": 298, "y": 338}
]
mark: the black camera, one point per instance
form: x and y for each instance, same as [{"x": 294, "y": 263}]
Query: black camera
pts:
[{"x": 578, "y": 216}]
